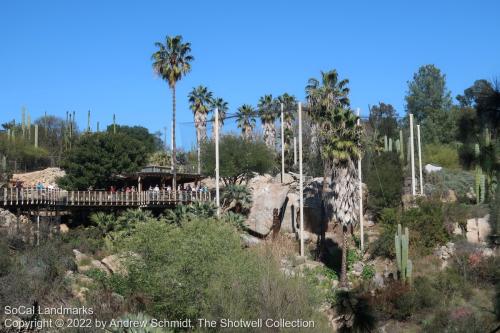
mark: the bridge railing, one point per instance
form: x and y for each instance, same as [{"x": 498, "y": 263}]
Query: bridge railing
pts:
[{"x": 56, "y": 197}]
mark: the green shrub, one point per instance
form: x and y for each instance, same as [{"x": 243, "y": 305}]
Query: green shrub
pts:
[
  {"x": 368, "y": 272},
  {"x": 443, "y": 155},
  {"x": 459, "y": 320},
  {"x": 384, "y": 177},
  {"x": 427, "y": 228}
]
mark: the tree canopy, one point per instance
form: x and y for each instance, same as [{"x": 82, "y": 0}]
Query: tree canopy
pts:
[
  {"x": 239, "y": 158},
  {"x": 96, "y": 158},
  {"x": 150, "y": 142}
]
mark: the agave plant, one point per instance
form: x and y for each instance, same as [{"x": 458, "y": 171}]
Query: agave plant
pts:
[
  {"x": 190, "y": 212},
  {"x": 236, "y": 198},
  {"x": 234, "y": 219}
]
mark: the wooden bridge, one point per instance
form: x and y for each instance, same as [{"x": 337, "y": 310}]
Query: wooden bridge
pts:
[{"x": 14, "y": 197}]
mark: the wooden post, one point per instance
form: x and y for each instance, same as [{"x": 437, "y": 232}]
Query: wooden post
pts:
[
  {"x": 282, "y": 145},
  {"x": 361, "y": 222},
  {"x": 420, "y": 161},
  {"x": 217, "y": 194},
  {"x": 301, "y": 184},
  {"x": 412, "y": 148}
]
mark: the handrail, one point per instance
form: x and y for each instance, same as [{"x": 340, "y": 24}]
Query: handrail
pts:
[{"x": 57, "y": 197}]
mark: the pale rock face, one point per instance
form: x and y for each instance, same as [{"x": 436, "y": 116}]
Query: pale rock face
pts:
[
  {"x": 478, "y": 230},
  {"x": 429, "y": 168},
  {"x": 266, "y": 196}
]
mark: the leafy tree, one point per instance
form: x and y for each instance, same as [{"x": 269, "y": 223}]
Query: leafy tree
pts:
[
  {"x": 150, "y": 142},
  {"x": 222, "y": 105},
  {"x": 171, "y": 62},
  {"x": 383, "y": 120},
  {"x": 339, "y": 145},
  {"x": 239, "y": 159},
  {"x": 96, "y": 158},
  {"x": 430, "y": 101},
  {"x": 268, "y": 112},
  {"x": 246, "y": 120}
]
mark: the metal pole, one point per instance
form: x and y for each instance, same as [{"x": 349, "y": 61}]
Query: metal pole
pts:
[
  {"x": 412, "y": 152},
  {"x": 361, "y": 222},
  {"x": 301, "y": 185},
  {"x": 36, "y": 135},
  {"x": 420, "y": 161},
  {"x": 216, "y": 129},
  {"x": 282, "y": 145},
  {"x": 294, "y": 150}
]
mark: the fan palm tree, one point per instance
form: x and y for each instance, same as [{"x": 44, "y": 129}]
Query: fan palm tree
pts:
[
  {"x": 222, "y": 106},
  {"x": 268, "y": 113},
  {"x": 172, "y": 61},
  {"x": 289, "y": 108},
  {"x": 200, "y": 99},
  {"x": 339, "y": 143},
  {"x": 246, "y": 120}
]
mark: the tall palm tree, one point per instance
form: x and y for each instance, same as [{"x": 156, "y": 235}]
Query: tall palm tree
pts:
[
  {"x": 223, "y": 107},
  {"x": 289, "y": 109},
  {"x": 200, "y": 99},
  {"x": 246, "y": 120},
  {"x": 339, "y": 144},
  {"x": 268, "y": 113},
  {"x": 171, "y": 62}
]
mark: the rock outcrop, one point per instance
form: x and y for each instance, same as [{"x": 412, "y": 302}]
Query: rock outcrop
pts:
[
  {"x": 47, "y": 176},
  {"x": 267, "y": 195}
]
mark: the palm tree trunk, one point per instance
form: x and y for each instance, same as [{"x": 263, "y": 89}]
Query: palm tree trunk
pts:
[
  {"x": 325, "y": 216},
  {"x": 174, "y": 160},
  {"x": 345, "y": 247}
]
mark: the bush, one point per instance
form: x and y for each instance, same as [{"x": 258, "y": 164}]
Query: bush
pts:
[
  {"x": 426, "y": 224},
  {"x": 368, "y": 272},
  {"x": 200, "y": 269},
  {"x": 459, "y": 320},
  {"x": 384, "y": 177},
  {"x": 443, "y": 155}
]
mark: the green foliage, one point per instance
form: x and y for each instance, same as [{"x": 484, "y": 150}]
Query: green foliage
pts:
[
  {"x": 160, "y": 158},
  {"x": 368, "y": 272},
  {"x": 193, "y": 211},
  {"x": 96, "y": 158},
  {"x": 234, "y": 219},
  {"x": 384, "y": 177},
  {"x": 459, "y": 320},
  {"x": 426, "y": 221},
  {"x": 150, "y": 142},
  {"x": 429, "y": 100},
  {"x": 443, "y": 155},
  {"x": 237, "y": 198},
  {"x": 239, "y": 158},
  {"x": 383, "y": 120}
]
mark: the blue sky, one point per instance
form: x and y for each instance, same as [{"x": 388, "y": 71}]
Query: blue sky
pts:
[{"x": 79, "y": 55}]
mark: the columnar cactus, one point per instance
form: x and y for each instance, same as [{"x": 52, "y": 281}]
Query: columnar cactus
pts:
[
  {"x": 386, "y": 148},
  {"x": 390, "y": 144},
  {"x": 404, "y": 265},
  {"x": 480, "y": 179}
]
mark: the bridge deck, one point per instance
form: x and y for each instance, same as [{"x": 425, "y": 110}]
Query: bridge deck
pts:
[{"x": 10, "y": 197}]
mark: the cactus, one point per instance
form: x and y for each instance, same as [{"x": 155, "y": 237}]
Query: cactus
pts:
[
  {"x": 36, "y": 135},
  {"x": 487, "y": 137},
  {"x": 479, "y": 179},
  {"x": 404, "y": 265},
  {"x": 386, "y": 148},
  {"x": 114, "y": 124},
  {"x": 397, "y": 143},
  {"x": 97, "y": 127},
  {"x": 390, "y": 144},
  {"x": 23, "y": 120}
]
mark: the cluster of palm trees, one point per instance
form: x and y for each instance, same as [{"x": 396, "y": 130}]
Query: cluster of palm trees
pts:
[{"x": 335, "y": 131}]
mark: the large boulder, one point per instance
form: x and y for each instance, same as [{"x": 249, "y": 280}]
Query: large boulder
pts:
[
  {"x": 266, "y": 196},
  {"x": 86, "y": 263},
  {"x": 287, "y": 179},
  {"x": 430, "y": 168},
  {"x": 290, "y": 221},
  {"x": 117, "y": 263},
  {"x": 478, "y": 230}
]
